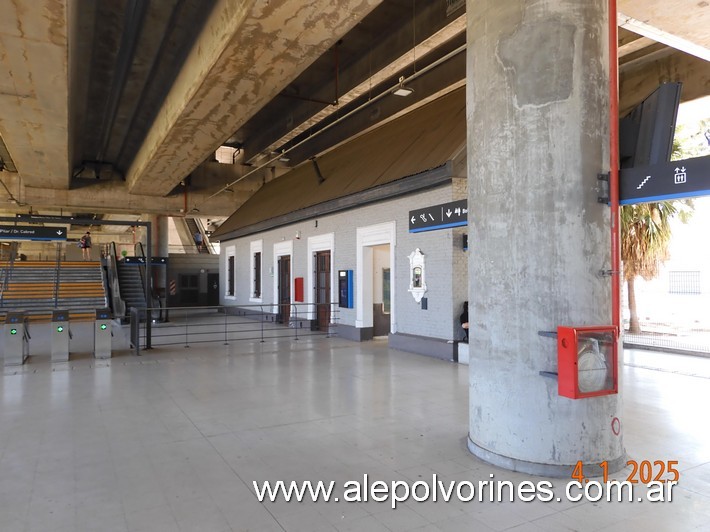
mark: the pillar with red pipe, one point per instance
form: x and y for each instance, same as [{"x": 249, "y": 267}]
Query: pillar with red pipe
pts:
[{"x": 541, "y": 120}]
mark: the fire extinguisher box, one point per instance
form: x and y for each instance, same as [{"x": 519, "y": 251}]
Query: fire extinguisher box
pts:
[{"x": 587, "y": 361}]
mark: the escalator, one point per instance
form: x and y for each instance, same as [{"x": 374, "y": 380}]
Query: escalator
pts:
[{"x": 196, "y": 228}]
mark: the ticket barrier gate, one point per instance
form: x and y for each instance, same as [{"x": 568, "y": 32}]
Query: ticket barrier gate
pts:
[
  {"x": 17, "y": 338},
  {"x": 102, "y": 333},
  {"x": 61, "y": 334}
]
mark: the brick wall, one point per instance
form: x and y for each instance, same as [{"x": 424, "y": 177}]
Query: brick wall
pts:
[{"x": 445, "y": 261}]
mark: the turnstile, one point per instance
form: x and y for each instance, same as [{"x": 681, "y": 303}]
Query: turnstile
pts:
[
  {"x": 60, "y": 335},
  {"x": 102, "y": 333},
  {"x": 17, "y": 338}
]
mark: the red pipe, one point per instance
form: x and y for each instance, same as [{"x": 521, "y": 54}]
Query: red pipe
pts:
[{"x": 614, "y": 165}]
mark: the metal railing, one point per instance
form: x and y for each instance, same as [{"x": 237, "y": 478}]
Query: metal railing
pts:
[
  {"x": 118, "y": 305},
  {"x": 8, "y": 271},
  {"x": 671, "y": 311},
  {"x": 186, "y": 326}
]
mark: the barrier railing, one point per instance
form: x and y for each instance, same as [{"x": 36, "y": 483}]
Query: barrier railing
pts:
[{"x": 226, "y": 324}]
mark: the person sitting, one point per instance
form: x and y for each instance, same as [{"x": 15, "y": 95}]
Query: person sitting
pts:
[{"x": 464, "y": 321}]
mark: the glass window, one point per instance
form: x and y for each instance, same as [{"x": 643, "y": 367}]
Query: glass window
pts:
[
  {"x": 230, "y": 275},
  {"x": 257, "y": 274}
]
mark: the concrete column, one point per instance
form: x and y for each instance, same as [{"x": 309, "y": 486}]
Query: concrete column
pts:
[{"x": 537, "y": 98}]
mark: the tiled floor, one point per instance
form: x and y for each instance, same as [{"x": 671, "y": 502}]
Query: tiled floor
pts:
[{"x": 173, "y": 440}]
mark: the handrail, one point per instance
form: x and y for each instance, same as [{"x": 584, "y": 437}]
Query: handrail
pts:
[
  {"x": 117, "y": 302},
  {"x": 205, "y": 241},
  {"x": 139, "y": 252},
  {"x": 57, "y": 270},
  {"x": 8, "y": 271}
]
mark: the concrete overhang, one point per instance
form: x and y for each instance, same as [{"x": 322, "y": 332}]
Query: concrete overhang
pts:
[
  {"x": 679, "y": 24},
  {"x": 247, "y": 53},
  {"x": 34, "y": 90}
]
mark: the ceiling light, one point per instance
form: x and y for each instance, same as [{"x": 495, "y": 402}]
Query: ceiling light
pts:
[{"x": 401, "y": 90}]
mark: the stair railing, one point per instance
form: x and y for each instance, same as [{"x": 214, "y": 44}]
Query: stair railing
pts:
[
  {"x": 118, "y": 305},
  {"x": 8, "y": 272}
]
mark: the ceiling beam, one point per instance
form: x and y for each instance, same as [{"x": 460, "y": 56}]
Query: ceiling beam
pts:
[
  {"x": 390, "y": 55},
  {"x": 34, "y": 90},
  {"x": 676, "y": 23},
  {"x": 113, "y": 197},
  {"x": 247, "y": 53},
  {"x": 635, "y": 84}
]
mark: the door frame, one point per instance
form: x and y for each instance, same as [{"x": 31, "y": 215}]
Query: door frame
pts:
[
  {"x": 366, "y": 237},
  {"x": 325, "y": 242},
  {"x": 281, "y": 249}
]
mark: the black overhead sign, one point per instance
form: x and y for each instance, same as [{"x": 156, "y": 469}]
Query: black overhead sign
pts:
[
  {"x": 141, "y": 260},
  {"x": 29, "y": 232},
  {"x": 665, "y": 181},
  {"x": 453, "y": 214}
]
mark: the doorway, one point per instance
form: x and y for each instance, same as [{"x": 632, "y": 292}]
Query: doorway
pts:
[
  {"x": 322, "y": 288},
  {"x": 212, "y": 289},
  {"x": 375, "y": 280},
  {"x": 381, "y": 300},
  {"x": 284, "y": 289}
]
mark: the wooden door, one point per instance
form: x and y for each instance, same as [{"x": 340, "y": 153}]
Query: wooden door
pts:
[
  {"x": 322, "y": 275},
  {"x": 284, "y": 296}
]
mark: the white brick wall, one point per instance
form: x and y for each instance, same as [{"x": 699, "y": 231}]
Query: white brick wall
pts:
[{"x": 446, "y": 263}]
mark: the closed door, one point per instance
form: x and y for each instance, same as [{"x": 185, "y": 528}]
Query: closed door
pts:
[
  {"x": 322, "y": 271},
  {"x": 284, "y": 267},
  {"x": 212, "y": 289}
]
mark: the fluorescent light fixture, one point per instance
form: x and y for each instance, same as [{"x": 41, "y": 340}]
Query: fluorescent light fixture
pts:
[{"x": 401, "y": 90}]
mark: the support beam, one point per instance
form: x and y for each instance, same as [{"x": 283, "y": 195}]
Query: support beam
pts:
[
  {"x": 113, "y": 197},
  {"x": 635, "y": 84},
  {"x": 383, "y": 62},
  {"x": 248, "y": 52},
  {"x": 34, "y": 90},
  {"x": 676, "y": 23}
]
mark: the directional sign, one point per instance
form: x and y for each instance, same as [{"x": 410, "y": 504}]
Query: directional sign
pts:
[
  {"x": 141, "y": 260},
  {"x": 665, "y": 181},
  {"x": 28, "y": 232},
  {"x": 453, "y": 214}
]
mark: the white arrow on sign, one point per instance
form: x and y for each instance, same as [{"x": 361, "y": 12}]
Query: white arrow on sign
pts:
[
  {"x": 59, "y": 232},
  {"x": 448, "y": 213},
  {"x": 413, "y": 219}
]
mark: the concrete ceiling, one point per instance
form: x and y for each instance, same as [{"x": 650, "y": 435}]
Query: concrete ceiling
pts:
[{"x": 119, "y": 106}]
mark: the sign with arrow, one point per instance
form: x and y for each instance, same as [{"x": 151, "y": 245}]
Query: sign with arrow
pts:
[
  {"x": 141, "y": 260},
  {"x": 443, "y": 216},
  {"x": 665, "y": 181},
  {"x": 29, "y": 232}
]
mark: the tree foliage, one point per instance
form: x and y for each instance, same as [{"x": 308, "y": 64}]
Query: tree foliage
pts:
[{"x": 646, "y": 235}]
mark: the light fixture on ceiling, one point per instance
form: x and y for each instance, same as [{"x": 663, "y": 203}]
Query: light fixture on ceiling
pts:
[
  {"x": 401, "y": 89},
  {"x": 284, "y": 158}
]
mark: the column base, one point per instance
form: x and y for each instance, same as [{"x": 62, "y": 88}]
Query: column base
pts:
[{"x": 542, "y": 470}]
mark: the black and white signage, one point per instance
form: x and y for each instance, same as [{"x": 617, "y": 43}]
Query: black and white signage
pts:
[
  {"x": 141, "y": 260},
  {"x": 453, "y": 214},
  {"x": 28, "y": 232},
  {"x": 665, "y": 181}
]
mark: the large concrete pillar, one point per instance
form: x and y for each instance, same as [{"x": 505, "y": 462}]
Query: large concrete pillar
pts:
[{"x": 537, "y": 92}]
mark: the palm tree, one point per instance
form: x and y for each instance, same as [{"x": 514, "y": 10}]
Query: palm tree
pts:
[{"x": 645, "y": 236}]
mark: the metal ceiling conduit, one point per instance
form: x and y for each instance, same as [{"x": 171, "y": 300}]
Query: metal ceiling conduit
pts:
[{"x": 386, "y": 92}]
